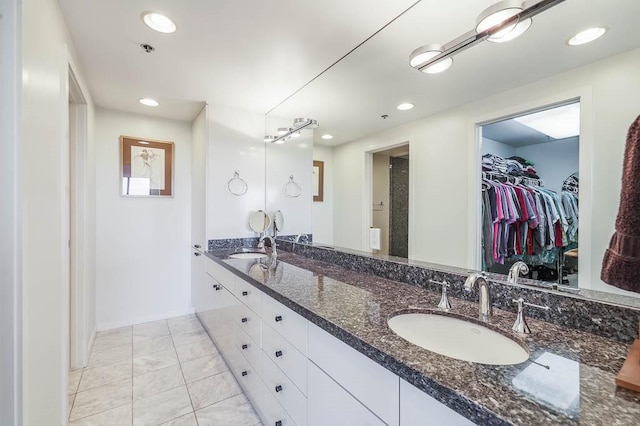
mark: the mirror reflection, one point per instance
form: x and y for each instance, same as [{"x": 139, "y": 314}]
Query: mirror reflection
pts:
[{"x": 356, "y": 100}]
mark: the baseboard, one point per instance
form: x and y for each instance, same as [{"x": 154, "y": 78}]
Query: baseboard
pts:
[{"x": 108, "y": 325}]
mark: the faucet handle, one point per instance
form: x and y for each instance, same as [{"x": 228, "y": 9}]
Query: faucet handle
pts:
[
  {"x": 444, "y": 299},
  {"x": 520, "y": 326}
]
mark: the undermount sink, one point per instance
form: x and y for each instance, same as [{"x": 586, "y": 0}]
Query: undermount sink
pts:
[
  {"x": 458, "y": 338},
  {"x": 248, "y": 255}
]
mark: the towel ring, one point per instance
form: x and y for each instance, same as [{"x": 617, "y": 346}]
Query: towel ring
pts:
[
  {"x": 236, "y": 185},
  {"x": 291, "y": 189}
]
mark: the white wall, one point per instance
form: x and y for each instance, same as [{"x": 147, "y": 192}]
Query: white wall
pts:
[
  {"x": 236, "y": 142},
  {"x": 143, "y": 244},
  {"x": 199, "y": 179},
  {"x": 554, "y": 161},
  {"x": 10, "y": 222},
  {"x": 489, "y": 146},
  {"x": 443, "y": 214},
  {"x": 322, "y": 211},
  {"x": 47, "y": 53}
]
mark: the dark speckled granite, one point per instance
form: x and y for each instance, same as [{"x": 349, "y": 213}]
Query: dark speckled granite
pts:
[
  {"x": 354, "y": 307},
  {"x": 567, "y": 309}
]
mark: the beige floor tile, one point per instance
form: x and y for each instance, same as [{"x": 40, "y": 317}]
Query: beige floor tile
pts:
[
  {"x": 112, "y": 340},
  {"x": 157, "y": 381},
  {"x": 70, "y": 400},
  {"x": 190, "y": 338},
  {"x": 150, "y": 329},
  {"x": 121, "y": 330},
  {"x": 162, "y": 407},
  {"x": 203, "y": 367},
  {"x": 213, "y": 389},
  {"x": 185, "y": 326},
  {"x": 236, "y": 411},
  {"x": 180, "y": 318},
  {"x": 110, "y": 373},
  {"x": 154, "y": 344},
  {"x": 120, "y": 416},
  {"x": 188, "y": 420},
  {"x": 101, "y": 399},
  {"x": 110, "y": 355},
  {"x": 155, "y": 361},
  {"x": 202, "y": 348},
  {"x": 74, "y": 381}
]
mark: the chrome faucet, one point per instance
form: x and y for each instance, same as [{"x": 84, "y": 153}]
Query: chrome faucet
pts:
[
  {"x": 271, "y": 240},
  {"x": 485, "y": 309},
  {"x": 517, "y": 269}
]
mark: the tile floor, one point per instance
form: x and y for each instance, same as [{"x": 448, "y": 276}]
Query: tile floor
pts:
[{"x": 165, "y": 372}]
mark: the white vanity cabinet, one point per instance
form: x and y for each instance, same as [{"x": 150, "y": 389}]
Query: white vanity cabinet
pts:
[{"x": 419, "y": 409}]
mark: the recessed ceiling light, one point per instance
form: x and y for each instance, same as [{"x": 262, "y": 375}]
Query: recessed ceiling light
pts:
[
  {"x": 587, "y": 36},
  {"x": 149, "y": 102},
  {"x": 158, "y": 22},
  {"x": 327, "y": 136},
  {"x": 405, "y": 106},
  {"x": 559, "y": 123}
]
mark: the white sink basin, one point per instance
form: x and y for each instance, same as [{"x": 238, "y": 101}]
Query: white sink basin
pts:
[
  {"x": 248, "y": 255},
  {"x": 457, "y": 338}
]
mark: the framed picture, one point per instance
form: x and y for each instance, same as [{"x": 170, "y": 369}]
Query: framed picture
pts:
[
  {"x": 146, "y": 167},
  {"x": 318, "y": 180}
]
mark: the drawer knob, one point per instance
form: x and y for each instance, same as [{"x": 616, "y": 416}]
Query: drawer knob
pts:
[
  {"x": 278, "y": 388},
  {"x": 216, "y": 287},
  {"x": 279, "y": 423},
  {"x": 245, "y": 293},
  {"x": 278, "y": 354},
  {"x": 198, "y": 246},
  {"x": 245, "y": 319},
  {"x": 196, "y": 254},
  {"x": 244, "y": 373},
  {"x": 245, "y": 346},
  {"x": 278, "y": 318}
]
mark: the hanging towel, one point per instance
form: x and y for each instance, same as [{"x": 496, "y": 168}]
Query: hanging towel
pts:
[{"x": 621, "y": 264}]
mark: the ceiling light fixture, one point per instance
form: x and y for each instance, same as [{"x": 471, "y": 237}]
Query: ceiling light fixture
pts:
[
  {"x": 327, "y": 137},
  {"x": 501, "y": 22},
  {"x": 587, "y": 36},
  {"x": 285, "y": 133},
  {"x": 405, "y": 106},
  {"x": 149, "y": 102},
  {"x": 159, "y": 22}
]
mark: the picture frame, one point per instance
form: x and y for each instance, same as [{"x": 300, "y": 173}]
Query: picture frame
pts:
[
  {"x": 146, "y": 167},
  {"x": 318, "y": 181}
]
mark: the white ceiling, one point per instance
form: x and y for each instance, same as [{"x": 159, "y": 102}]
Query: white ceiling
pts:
[
  {"x": 246, "y": 53},
  {"x": 349, "y": 99}
]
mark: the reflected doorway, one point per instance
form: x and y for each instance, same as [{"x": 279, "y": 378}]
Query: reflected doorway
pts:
[
  {"x": 529, "y": 194},
  {"x": 390, "y": 209}
]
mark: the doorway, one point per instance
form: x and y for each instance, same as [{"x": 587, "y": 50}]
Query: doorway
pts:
[
  {"x": 530, "y": 191},
  {"x": 390, "y": 209}
]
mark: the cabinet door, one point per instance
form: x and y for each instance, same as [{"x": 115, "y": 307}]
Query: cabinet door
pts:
[
  {"x": 197, "y": 278},
  {"x": 419, "y": 409},
  {"x": 330, "y": 404}
]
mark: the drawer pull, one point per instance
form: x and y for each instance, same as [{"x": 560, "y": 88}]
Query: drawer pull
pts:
[
  {"x": 278, "y": 388},
  {"x": 217, "y": 287},
  {"x": 198, "y": 246},
  {"x": 244, "y": 373},
  {"x": 245, "y": 293},
  {"x": 278, "y": 318},
  {"x": 279, "y": 423},
  {"x": 245, "y": 346},
  {"x": 197, "y": 254},
  {"x": 278, "y": 354},
  {"x": 245, "y": 319}
]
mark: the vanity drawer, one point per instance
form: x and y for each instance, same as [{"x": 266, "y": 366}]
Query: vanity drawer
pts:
[
  {"x": 284, "y": 391},
  {"x": 374, "y": 386},
  {"x": 248, "y": 321},
  {"x": 286, "y": 357},
  {"x": 220, "y": 274},
  {"x": 247, "y": 347},
  {"x": 249, "y": 295},
  {"x": 248, "y": 378},
  {"x": 290, "y": 325},
  {"x": 272, "y": 412}
]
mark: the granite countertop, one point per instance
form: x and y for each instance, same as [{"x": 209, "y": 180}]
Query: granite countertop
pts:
[{"x": 568, "y": 379}]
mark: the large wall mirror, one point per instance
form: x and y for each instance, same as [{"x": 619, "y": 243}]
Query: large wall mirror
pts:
[{"x": 440, "y": 138}]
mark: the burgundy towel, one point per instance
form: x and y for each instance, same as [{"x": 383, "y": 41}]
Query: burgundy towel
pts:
[{"x": 621, "y": 264}]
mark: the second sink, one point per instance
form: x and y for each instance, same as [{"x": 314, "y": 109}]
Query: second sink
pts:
[{"x": 458, "y": 338}]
